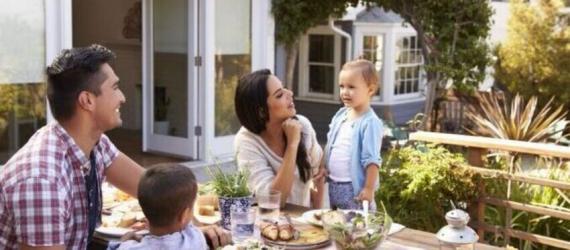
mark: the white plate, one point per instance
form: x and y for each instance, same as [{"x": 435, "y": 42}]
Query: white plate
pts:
[
  {"x": 309, "y": 216},
  {"x": 118, "y": 231}
]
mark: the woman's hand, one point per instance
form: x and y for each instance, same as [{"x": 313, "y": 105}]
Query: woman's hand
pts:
[{"x": 292, "y": 128}]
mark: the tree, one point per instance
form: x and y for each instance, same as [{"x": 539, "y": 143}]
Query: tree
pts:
[
  {"x": 451, "y": 36},
  {"x": 535, "y": 57},
  {"x": 295, "y": 17}
]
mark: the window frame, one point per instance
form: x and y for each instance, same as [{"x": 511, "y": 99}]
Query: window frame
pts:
[
  {"x": 397, "y": 66},
  {"x": 359, "y": 50},
  {"x": 303, "y": 74}
]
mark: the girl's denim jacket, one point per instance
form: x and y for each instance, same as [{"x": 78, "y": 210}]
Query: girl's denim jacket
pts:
[{"x": 366, "y": 144}]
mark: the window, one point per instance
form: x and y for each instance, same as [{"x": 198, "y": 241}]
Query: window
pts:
[
  {"x": 232, "y": 59},
  {"x": 22, "y": 65},
  {"x": 373, "y": 50},
  {"x": 409, "y": 67},
  {"x": 321, "y": 64}
]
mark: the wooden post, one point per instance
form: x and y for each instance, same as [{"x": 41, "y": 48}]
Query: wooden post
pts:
[
  {"x": 481, "y": 211},
  {"x": 475, "y": 156}
]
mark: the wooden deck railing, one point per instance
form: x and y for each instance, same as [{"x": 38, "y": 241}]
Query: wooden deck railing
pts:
[{"x": 486, "y": 143}]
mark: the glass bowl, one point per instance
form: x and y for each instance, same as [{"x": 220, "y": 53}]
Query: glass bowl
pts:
[{"x": 352, "y": 230}]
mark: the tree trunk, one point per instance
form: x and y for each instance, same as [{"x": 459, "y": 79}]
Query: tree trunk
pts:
[
  {"x": 430, "y": 99},
  {"x": 292, "y": 51}
]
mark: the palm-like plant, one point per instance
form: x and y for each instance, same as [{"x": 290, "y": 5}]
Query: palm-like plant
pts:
[{"x": 517, "y": 121}]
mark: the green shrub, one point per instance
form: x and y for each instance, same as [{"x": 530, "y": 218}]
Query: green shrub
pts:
[
  {"x": 530, "y": 194},
  {"x": 418, "y": 183}
]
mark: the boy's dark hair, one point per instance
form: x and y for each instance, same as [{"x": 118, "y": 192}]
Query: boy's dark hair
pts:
[
  {"x": 165, "y": 191},
  {"x": 251, "y": 109},
  {"x": 73, "y": 71}
]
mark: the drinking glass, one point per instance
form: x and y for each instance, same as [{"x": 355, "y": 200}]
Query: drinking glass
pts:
[
  {"x": 269, "y": 202},
  {"x": 242, "y": 223}
]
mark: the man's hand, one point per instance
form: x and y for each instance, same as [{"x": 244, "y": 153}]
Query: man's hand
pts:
[{"x": 216, "y": 236}]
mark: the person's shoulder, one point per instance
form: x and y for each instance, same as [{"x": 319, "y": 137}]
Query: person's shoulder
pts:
[
  {"x": 129, "y": 245},
  {"x": 42, "y": 157},
  {"x": 195, "y": 235},
  {"x": 340, "y": 112},
  {"x": 372, "y": 118},
  {"x": 244, "y": 135}
]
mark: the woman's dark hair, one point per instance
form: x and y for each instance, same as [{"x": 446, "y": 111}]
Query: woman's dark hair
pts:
[
  {"x": 252, "y": 111},
  {"x": 73, "y": 71},
  {"x": 165, "y": 191}
]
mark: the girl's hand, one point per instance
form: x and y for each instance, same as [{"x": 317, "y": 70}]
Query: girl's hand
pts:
[
  {"x": 366, "y": 194},
  {"x": 292, "y": 129},
  {"x": 322, "y": 173}
]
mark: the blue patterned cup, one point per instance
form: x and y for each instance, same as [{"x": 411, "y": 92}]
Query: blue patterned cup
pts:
[{"x": 227, "y": 204}]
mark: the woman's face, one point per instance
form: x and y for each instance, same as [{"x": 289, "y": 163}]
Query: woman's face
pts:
[{"x": 279, "y": 100}]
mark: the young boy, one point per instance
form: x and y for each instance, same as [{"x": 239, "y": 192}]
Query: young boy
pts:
[{"x": 166, "y": 194}]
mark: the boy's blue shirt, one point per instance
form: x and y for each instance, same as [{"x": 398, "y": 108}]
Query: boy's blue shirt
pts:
[{"x": 366, "y": 144}]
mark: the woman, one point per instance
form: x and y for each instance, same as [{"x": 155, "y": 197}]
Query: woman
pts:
[{"x": 277, "y": 146}]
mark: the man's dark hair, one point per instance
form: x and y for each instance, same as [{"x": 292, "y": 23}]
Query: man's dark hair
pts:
[
  {"x": 73, "y": 71},
  {"x": 251, "y": 109},
  {"x": 165, "y": 191}
]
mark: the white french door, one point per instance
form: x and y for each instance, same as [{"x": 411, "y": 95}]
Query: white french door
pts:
[{"x": 170, "y": 76}]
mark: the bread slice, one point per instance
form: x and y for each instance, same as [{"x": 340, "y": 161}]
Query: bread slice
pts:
[
  {"x": 206, "y": 210},
  {"x": 127, "y": 220}
]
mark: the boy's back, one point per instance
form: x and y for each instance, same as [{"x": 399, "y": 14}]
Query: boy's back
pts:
[{"x": 189, "y": 238}]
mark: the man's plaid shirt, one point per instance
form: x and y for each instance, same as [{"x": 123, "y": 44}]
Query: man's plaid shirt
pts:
[{"x": 43, "y": 200}]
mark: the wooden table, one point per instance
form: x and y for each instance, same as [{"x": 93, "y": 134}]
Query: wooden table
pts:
[
  {"x": 403, "y": 240},
  {"x": 407, "y": 238}
]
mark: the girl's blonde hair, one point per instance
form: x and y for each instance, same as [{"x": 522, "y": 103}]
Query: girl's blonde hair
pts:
[{"x": 367, "y": 70}]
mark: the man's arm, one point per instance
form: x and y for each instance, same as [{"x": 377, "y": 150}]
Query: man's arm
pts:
[
  {"x": 26, "y": 247},
  {"x": 124, "y": 173}
]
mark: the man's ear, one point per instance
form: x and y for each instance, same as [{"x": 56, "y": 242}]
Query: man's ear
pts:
[{"x": 86, "y": 100}]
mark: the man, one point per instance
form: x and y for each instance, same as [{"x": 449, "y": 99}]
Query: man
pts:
[{"x": 50, "y": 190}]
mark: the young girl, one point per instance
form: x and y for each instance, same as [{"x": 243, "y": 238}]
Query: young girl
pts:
[{"x": 354, "y": 139}]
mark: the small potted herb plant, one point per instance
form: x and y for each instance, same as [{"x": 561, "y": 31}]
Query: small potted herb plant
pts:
[{"x": 232, "y": 191}]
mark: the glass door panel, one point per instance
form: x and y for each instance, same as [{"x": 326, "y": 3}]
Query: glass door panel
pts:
[
  {"x": 170, "y": 71},
  {"x": 169, "y": 76},
  {"x": 232, "y": 59}
]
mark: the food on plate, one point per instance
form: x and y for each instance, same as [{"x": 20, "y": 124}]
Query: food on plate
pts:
[
  {"x": 286, "y": 232},
  {"x": 208, "y": 199},
  {"x": 139, "y": 225},
  {"x": 269, "y": 230},
  {"x": 121, "y": 196},
  {"x": 314, "y": 235},
  {"x": 127, "y": 220},
  {"x": 334, "y": 217},
  {"x": 318, "y": 215},
  {"x": 206, "y": 210},
  {"x": 249, "y": 244},
  {"x": 356, "y": 231}
]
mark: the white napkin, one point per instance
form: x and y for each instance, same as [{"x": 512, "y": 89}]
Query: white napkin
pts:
[{"x": 396, "y": 228}]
